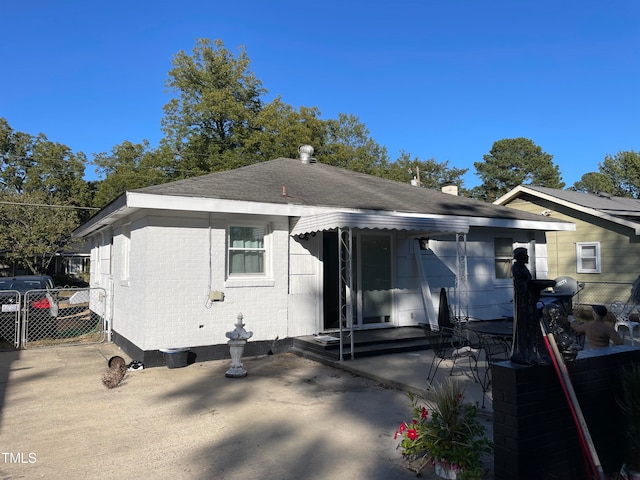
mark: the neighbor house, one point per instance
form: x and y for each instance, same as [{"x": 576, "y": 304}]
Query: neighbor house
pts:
[
  {"x": 601, "y": 252},
  {"x": 68, "y": 263},
  {"x": 299, "y": 248}
]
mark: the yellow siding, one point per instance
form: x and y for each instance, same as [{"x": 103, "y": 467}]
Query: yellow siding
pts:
[{"x": 619, "y": 246}]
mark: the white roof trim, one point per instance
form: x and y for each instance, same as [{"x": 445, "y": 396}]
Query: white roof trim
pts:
[
  {"x": 201, "y": 204},
  {"x": 541, "y": 225},
  {"x": 379, "y": 221},
  {"x": 507, "y": 197},
  {"x": 311, "y": 218}
]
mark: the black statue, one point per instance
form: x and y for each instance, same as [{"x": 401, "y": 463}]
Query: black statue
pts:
[{"x": 528, "y": 344}]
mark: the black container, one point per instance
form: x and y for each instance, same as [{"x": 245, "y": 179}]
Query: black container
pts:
[{"x": 175, "y": 357}]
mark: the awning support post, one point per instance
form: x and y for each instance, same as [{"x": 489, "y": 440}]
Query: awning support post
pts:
[
  {"x": 345, "y": 250},
  {"x": 462, "y": 286}
]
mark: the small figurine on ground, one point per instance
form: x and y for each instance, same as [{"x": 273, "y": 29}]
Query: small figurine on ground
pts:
[{"x": 114, "y": 375}]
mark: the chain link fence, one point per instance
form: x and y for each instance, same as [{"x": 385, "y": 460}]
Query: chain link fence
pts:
[
  {"x": 600, "y": 293},
  {"x": 63, "y": 316},
  {"x": 10, "y": 301}
]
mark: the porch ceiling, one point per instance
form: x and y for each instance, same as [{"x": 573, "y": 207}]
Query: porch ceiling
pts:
[{"x": 379, "y": 221}]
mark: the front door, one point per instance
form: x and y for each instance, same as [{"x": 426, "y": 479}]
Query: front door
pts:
[
  {"x": 372, "y": 280},
  {"x": 374, "y": 285}
]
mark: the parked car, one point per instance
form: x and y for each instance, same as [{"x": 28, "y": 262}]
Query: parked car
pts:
[{"x": 39, "y": 304}]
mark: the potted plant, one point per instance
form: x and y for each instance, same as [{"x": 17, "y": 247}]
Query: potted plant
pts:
[
  {"x": 445, "y": 431},
  {"x": 629, "y": 403}
]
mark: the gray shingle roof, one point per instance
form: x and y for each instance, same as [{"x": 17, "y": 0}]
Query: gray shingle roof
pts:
[
  {"x": 317, "y": 184},
  {"x": 616, "y": 206}
]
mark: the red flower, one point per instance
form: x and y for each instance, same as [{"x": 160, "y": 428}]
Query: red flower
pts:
[
  {"x": 412, "y": 434},
  {"x": 424, "y": 413},
  {"x": 414, "y": 421},
  {"x": 401, "y": 429}
]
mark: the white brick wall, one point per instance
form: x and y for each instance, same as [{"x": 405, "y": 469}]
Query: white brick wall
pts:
[{"x": 174, "y": 263}]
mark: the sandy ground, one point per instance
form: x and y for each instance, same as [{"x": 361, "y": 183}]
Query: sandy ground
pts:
[{"x": 290, "y": 418}]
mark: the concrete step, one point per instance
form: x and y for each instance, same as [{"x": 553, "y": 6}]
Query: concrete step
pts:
[{"x": 366, "y": 343}]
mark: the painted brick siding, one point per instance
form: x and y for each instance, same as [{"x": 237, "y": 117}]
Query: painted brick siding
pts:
[{"x": 182, "y": 259}]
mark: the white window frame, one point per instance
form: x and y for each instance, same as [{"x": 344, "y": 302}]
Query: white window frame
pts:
[
  {"x": 580, "y": 250},
  {"x": 250, "y": 279}
]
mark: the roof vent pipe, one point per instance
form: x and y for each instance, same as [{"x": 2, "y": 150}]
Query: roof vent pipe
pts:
[{"x": 305, "y": 152}]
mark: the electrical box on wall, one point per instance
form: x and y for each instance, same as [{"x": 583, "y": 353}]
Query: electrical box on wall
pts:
[{"x": 216, "y": 296}]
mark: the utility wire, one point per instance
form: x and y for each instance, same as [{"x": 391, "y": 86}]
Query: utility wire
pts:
[{"x": 50, "y": 206}]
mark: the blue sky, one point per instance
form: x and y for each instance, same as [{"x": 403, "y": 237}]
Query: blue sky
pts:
[{"x": 438, "y": 79}]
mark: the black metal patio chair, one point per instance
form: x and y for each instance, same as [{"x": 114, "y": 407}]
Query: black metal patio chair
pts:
[
  {"x": 451, "y": 344},
  {"x": 495, "y": 349}
]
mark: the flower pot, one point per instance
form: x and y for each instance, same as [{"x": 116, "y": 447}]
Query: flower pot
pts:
[{"x": 445, "y": 470}]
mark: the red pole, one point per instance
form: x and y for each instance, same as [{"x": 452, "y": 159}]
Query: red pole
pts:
[{"x": 594, "y": 467}]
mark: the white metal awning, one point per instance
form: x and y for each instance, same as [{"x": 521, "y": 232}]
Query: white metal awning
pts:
[{"x": 379, "y": 221}]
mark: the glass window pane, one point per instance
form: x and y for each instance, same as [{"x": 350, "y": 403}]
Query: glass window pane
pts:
[
  {"x": 246, "y": 237},
  {"x": 246, "y": 262},
  {"x": 246, "y": 250},
  {"x": 503, "y": 249},
  {"x": 236, "y": 262},
  {"x": 503, "y": 268}
]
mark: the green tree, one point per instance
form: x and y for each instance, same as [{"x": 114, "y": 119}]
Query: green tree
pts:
[
  {"x": 348, "y": 144},
  {"x": 35, "y": 164},
  {"x": 512, "y": 162},
  {"x": 433, "y": 174},
  {"x": 43, "y": 197},
  {"x": 15, "y": 148},
  {"x": 594, "y": 182},
  {"x": 130, "y": 166},
  {"x": 282, "y": 129},
  {"x": 34, "y": 228},
  {"x": 219, "y": 121},
  {"x": 215, "y": 110},
  {"x": 623, "y": 169}
]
